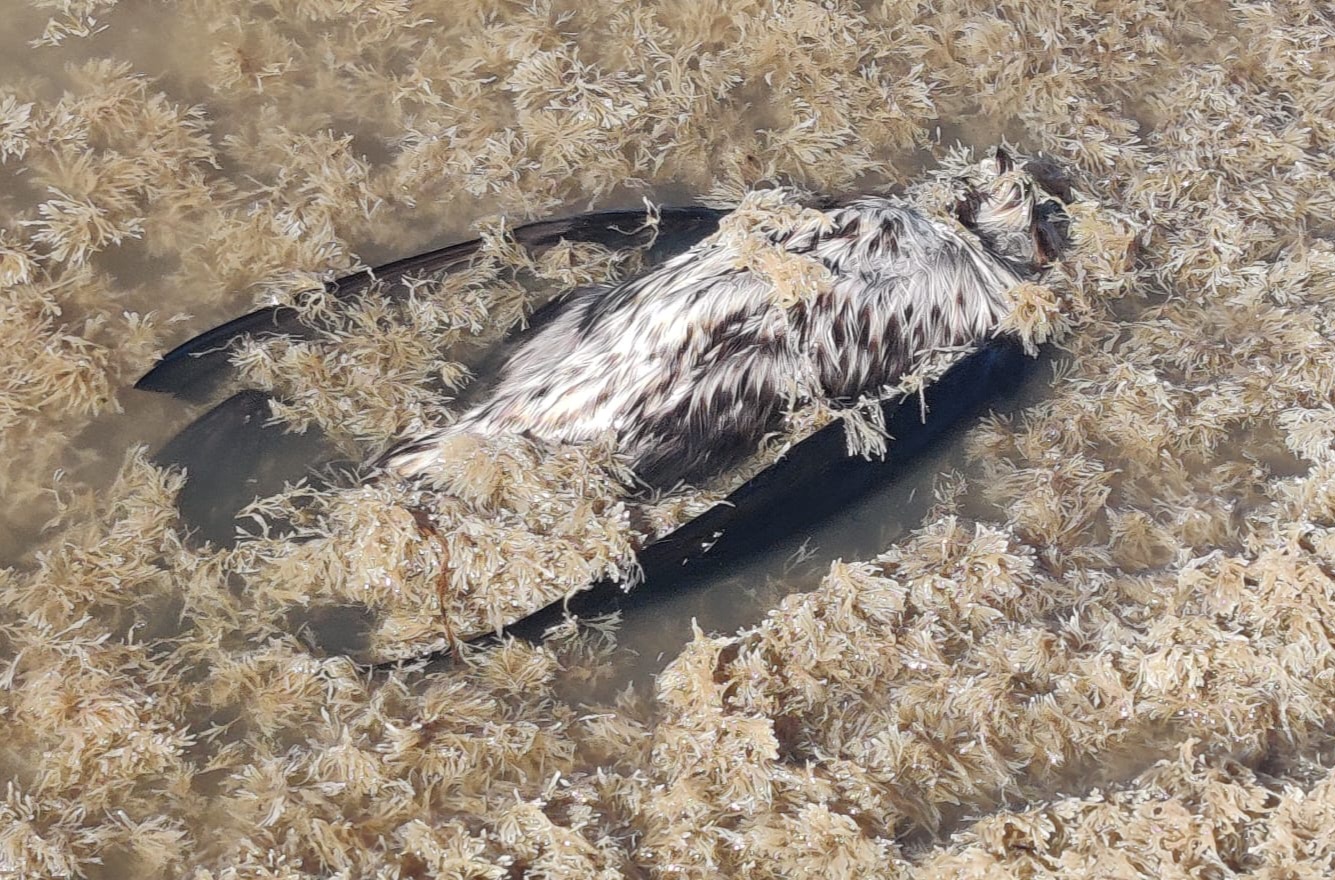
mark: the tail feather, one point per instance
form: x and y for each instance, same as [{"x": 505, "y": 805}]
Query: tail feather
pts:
[
  {"x": 196, "y": 368},
  {"x": 232, "y": 455}
]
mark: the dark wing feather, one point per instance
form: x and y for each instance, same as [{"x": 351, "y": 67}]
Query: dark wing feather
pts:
[
  {"x": 233, "y": 456},
  {"x": 195, "y": 368},
  {"x": 814, "y": 479}
]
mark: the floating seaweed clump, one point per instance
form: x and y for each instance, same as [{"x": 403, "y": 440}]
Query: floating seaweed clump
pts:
[{"x": 1106, "y": 651}]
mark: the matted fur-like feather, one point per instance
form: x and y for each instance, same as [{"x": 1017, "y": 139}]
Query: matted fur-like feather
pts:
[{"x": 686, "y": 368}]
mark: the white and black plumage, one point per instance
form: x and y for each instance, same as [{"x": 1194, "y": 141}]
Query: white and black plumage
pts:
[{"x": 688, "y": 366}]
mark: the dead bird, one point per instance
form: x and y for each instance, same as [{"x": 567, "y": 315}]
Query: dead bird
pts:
[
  {"x": 733, "y": 322},
  {"x": 690, "y": 365}
]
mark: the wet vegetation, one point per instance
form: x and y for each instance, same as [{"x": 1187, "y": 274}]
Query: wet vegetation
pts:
[{"x": 1105, "y": 651}]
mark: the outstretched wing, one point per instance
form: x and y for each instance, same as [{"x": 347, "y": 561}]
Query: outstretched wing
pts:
[
  {"x": 230, "y": 454},
  {"x": 195, "y": 368},
  {"x": 814, "y": 480}
]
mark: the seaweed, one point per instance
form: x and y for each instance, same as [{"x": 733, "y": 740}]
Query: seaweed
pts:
[{"x": 1105, "y": 650}]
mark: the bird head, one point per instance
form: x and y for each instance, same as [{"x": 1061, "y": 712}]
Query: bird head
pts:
[{"x": 1017, "y": 211}]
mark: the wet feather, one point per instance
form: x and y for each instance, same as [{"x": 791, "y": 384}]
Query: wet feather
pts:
[{"x": 687, "y": 367}]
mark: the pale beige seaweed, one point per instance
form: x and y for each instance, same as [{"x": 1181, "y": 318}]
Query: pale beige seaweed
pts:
[{"x": 1128, "y": 675}]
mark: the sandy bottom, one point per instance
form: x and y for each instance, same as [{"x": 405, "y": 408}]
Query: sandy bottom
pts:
[{"x": 1097, "y": 643}]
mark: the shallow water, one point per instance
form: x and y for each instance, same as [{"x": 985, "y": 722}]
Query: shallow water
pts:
[{"x": 1115, "y": 643}]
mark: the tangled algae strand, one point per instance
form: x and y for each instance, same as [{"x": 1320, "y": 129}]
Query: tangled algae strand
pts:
[{"x": 1106, "y": 650}]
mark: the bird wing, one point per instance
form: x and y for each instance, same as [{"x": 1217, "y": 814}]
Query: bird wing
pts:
[{"x": 196, "y": 368}]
